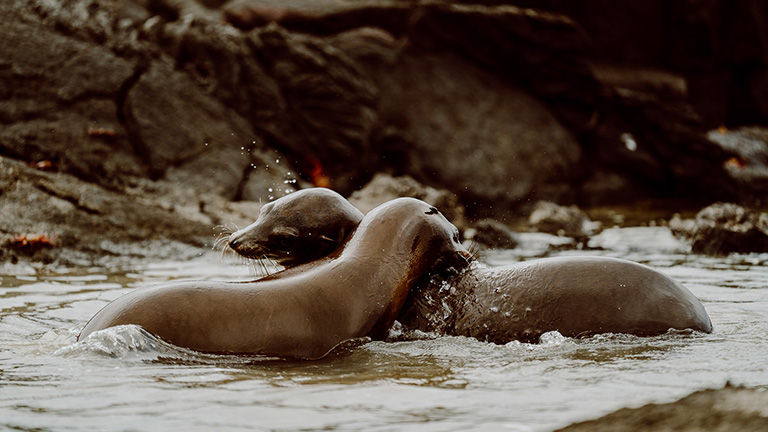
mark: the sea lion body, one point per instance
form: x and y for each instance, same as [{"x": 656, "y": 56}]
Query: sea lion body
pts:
[
  {"x": 308, "y": 309},
  {"x": 298, "y": 228},
  {"x": 576, "y": 296}
]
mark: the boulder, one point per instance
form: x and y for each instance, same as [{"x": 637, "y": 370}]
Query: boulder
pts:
[
  {"x": 749, "y": 163},
  {"x": 561, "y": 220},
  {"x": 493, "y": 234},
  {"x": 727, "y": 409},
  {"x": 722, "y": 228},
  {"x": 384, "y": 187},
  {"x": 473, "y": 133}
]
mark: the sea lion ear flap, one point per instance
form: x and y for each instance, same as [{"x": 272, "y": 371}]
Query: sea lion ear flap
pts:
[
  {"x": 285, "y": 231},
  {"x": 329, "y": 239},
  {"x": 342, "y": 235}
]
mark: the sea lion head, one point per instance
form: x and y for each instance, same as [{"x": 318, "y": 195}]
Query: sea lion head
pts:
[
  {"x": 410, "y": 242},
  {"x": 298, "y": 228},
  {"x": 420, "y": 230}
]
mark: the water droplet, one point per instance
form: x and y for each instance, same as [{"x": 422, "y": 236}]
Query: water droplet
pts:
[{"x": 629, "y": 141}]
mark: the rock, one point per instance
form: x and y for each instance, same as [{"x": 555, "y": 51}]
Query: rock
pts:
[
  {"x": 494, "y": 103},
  {"x": 447, "y": 121},
  {"x": 566, "y": 221},
  {"x": 726, "y": 409},
  {"x": 749, "y": 165},
  {"x": 89, "y": 222},
  {"x": 53, "y": 91},
  {"x": 493, "y": 234},
  {"x": 708, "y": 46},
  {"x": 605, "y": 187},
  {"x": 330, "y": 106},
  {"x": 473, "y": 133},
  {"x": 723, "y": 228},
  {"x": 301, "y": 95},
  {"x": 80, "y": 215},
  {"x": 383, "y": 188}
]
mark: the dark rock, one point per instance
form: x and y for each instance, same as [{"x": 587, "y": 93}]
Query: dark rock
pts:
[
  {"x": 495, "y": 103},
  {"x": 551, "y": 57},
  {"x": 473, "y": 133},
  {"x": 493, "y": 234},
  {"x": 606, "y": 187},
  {"x": 556, "y": 219},
  {"x": 749, "y": 165},
  {"x": 303, "y": 97},
  {"x": 723, "y": 228},
  {"x": 710, "y": 45},
  {"x": 383, "y": 188},
  {"x": 103, "y": 117},
  {"x": 53, "y": 89},
  {"x": 330, "y": 103},
  {"x": 726, "y": 409},
  {"x": 89, "y": 222}
]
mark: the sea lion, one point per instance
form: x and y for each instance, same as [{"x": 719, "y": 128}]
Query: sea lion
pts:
[
  {"x": 577, "y": 296},
  {"x": 298, "y": 228},
  {"x": 306, "y": 310}
]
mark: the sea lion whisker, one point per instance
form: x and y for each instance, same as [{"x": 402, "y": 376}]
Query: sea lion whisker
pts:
[
  {"x": 473, "y": 249},
  {"x": 225, "y": 229},
  {"x": 264, "y": 261},
  {"x": 220, "y": 242}
]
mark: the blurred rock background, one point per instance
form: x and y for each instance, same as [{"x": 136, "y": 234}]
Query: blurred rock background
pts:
[{"x": 151, "y": 122}]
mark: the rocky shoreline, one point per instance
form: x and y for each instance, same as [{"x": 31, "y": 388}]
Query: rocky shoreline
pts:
[{"x": 152, "y": 121}]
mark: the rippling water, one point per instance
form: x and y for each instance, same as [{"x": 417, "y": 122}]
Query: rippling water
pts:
[{"x": 124, "y": 379}]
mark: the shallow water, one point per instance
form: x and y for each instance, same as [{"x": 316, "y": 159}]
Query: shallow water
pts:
[{"x": 123, "y": 379}]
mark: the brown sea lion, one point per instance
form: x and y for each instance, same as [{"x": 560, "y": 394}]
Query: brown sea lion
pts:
[
  {"x": 298, "y": 228},
  {"x": 577, "y": 296},
  {"x": 306, "y": 310}
]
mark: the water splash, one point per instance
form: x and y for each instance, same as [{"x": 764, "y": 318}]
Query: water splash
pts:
[{"x": 124, "y": 342}]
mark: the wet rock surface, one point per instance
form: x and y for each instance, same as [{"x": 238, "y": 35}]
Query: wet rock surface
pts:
[
  {"x": 723, "y": 228},
  {"x": 569, "y": 221},
  {"x": 493, "y": 234},
  {"x": 87, "y": 223},
  {"x": 749, "y": 165},
  {"x": 726, "y": 409}
]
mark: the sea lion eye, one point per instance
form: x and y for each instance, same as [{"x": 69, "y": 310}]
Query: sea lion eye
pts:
[
  {"x": 283, "y": 242},
  {"x": 431, "y": 211}
]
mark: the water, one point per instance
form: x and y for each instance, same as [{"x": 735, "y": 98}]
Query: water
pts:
[{"x": 123, "y": 379}]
